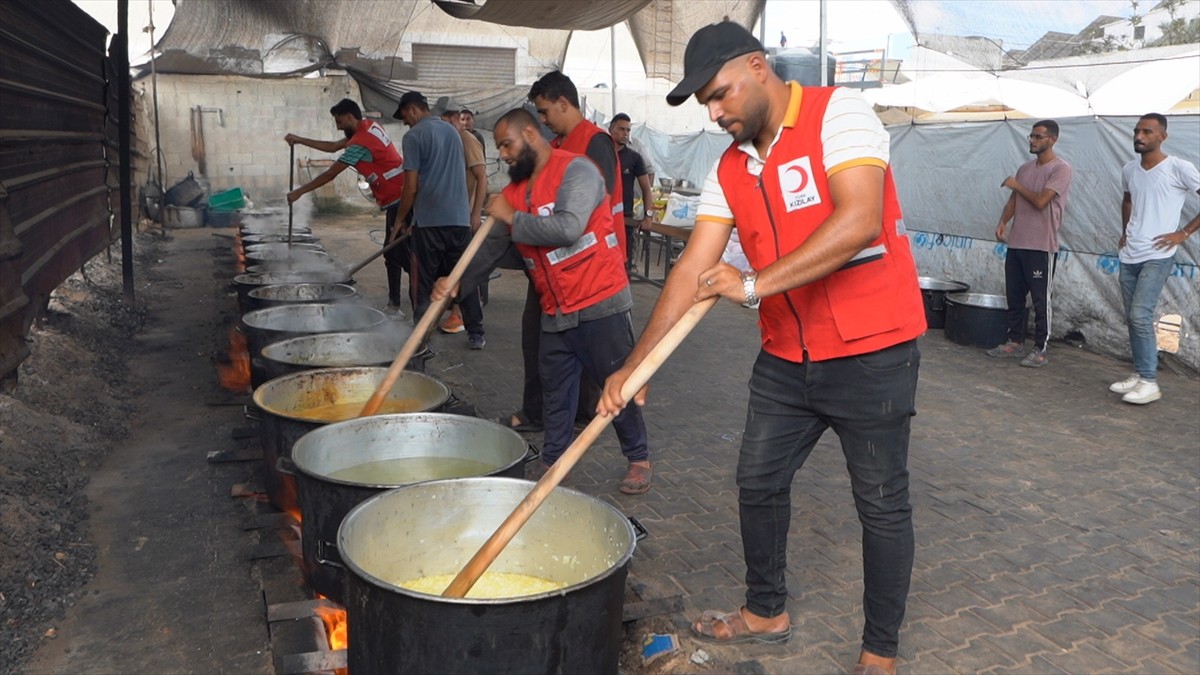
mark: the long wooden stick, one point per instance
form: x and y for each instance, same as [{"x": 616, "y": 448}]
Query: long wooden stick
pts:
[
  {"x": 390, "y": 245},
  {"x": 516, "y": 520},
  {"x": 425, "y": 325},
  {"x": 291, "y": 186}
]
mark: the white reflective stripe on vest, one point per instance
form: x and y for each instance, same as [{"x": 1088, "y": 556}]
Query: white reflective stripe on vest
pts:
[
  {"x": 873, "y": 252},
  {"x": 393, "y": 173},
  {"x": 611, "y": 240},
  {"x": 566, "y": 252}
]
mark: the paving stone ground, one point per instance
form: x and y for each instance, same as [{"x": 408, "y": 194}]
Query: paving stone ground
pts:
[{"x": 1056, "y": 526}]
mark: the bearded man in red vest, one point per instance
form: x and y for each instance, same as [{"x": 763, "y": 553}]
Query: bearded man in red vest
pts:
[
  {"x": 371, "y": 152},
  {"x": 806, "y": 183},
  {"x": 555, "y": 216}
]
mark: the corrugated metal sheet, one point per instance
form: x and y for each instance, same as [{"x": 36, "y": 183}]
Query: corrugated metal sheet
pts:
[
  {"x": 456, "y": 63},
  {"x": 58, "y": 157}
]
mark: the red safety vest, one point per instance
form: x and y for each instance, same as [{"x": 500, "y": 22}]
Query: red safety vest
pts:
[
  {"x": 577, "y": 142},
  {"x": 383, "y": 173},
  {"x": 575, "y": 277},
  {"x": 872, "y": 302}
]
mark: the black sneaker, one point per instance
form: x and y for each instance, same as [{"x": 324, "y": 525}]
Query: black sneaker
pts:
[{"x": 476, "y": 341}]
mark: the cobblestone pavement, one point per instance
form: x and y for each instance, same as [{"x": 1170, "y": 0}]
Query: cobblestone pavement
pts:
[{"x": 1056, "y": 526}]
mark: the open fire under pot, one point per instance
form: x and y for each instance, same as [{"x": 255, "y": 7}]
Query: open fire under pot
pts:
[
  {"x": 434, "y": 528},
  {"x": 293, "y": 405},
  {"x": 338, "y": 466},
  {"x": 265, "y": 326},
  {"x": 341, "y": 350},
  {"x": 244, "y": 283}
]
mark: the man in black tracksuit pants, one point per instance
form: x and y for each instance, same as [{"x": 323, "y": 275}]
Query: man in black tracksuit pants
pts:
[{"x": 1039, "y": 197}]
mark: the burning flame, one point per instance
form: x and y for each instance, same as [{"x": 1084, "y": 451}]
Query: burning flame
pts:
[
  {"x": 239, "y": 251},
  {"x": 335, "y": 625},
  {"x": 235, "y": 376}
]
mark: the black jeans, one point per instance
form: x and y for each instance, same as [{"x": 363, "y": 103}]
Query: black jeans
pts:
[
  {"x": 869, "y": 401},
  {"x": 531, "y": 394},
  {"x": 396, "y": 260},
  {"x": 597, "y": 348},
  {"x": 435, "y": 252}
]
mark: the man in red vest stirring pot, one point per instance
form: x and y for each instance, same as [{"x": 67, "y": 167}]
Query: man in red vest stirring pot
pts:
[
  {"x": 556, "y": 217},
  {"x": 806, "y": 183}
]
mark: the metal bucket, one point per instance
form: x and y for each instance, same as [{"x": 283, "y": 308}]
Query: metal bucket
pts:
[
  {"x": 933, "y": 293},
  {"x": 434, "y": 528},
  {"x": 296, "y": 294},
  {"x": 976, "y": 319},
  {"x": 429, "y": 445},
  {"x": 283, "y": 402},
  {"x": 264, "y": 326},
  {"x": 341, "y": 350},
  {"x": 244, "y": 283}
]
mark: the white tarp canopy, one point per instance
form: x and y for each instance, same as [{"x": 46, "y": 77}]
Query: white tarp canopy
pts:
[{"x": 1099, "y": 85}]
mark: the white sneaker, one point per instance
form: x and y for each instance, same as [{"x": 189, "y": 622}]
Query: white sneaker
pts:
[
  {"x": 394, "y": 311},
  {"x": 1146, "y": 391},
  {"x": 1126, "y": 385}
]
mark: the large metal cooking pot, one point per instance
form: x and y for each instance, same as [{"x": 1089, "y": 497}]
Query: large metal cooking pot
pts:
[
  {"x": 976, "y": 319},
  {"x": 310, "y": 265},
  {"x": 270, "y": 226},
  {"x": 296, "y": 294},
  {"x": 933, "y": 292},
  {"x": 264, "y": 326},
  {"x": 421, "y": 446},
  {"x": 434, "y": 528},
  {"x": 341, "y": 350},
  {"x": 297, "y": 255},
  {"x": 274, "y": 247},
  {"x": 283, "y": 402},
  {"x": 278, "y": 238},
  {"x": 244, "y": 283}
]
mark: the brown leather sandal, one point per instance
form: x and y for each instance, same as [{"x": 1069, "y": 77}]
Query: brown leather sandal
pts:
[{"x": 734, "y": 630}]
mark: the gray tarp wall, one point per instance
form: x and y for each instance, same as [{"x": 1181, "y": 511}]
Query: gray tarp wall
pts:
[{"x": 949, "y": 177}]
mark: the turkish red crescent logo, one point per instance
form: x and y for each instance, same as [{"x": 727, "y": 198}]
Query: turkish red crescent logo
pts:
[{"x": 794, "y": 179}]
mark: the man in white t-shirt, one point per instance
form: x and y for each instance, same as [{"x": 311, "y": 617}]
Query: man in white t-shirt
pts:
[{"x": 1155, "y": 188}]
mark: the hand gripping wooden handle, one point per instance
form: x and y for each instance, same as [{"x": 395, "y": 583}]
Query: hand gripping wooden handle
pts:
[
  {"x": 516, "y": 520},
  {"x": 425, "y": 325}
]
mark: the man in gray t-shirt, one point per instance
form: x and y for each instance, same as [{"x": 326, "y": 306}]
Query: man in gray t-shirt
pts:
[
  {"x": 1039, "y": 197},
  {"x": 435, "y": 191}
]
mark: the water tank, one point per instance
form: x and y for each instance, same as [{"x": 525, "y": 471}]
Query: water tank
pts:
[{"x": 802, "y": 65}]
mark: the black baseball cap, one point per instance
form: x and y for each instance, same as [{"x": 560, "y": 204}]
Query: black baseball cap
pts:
[
  {"x": 709, "y": 49},
  {"x": 409, "y": 98}
]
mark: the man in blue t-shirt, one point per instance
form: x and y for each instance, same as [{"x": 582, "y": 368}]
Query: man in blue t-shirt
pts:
[{"x": 435, "y": 192}]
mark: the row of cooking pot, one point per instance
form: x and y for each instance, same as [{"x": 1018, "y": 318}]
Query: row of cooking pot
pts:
[
  {"x": 389, "y": 531},
  {"x": 362, "y": 533}
]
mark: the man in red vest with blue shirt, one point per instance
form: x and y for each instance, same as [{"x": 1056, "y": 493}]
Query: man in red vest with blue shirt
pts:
[{"x": 806, "y": 183}]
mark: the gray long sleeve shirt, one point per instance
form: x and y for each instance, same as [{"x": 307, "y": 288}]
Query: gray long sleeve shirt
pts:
[{"x": 581, "y": 191}]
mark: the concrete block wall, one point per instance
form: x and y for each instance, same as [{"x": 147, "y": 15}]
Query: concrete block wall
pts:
[{"x": 244, "y": 123}]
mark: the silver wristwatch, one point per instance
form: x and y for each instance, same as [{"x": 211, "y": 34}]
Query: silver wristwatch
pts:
[{"x": 748, "y": 281}]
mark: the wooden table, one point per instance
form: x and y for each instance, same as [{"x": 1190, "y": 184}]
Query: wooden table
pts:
[{"x": 669, "y": 234}]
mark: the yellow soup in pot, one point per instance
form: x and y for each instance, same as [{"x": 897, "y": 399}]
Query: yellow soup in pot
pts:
[{"x": 492, "y": 585}]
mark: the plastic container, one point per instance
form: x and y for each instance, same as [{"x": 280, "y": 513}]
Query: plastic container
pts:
[{"x": 229, "y": 200}]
